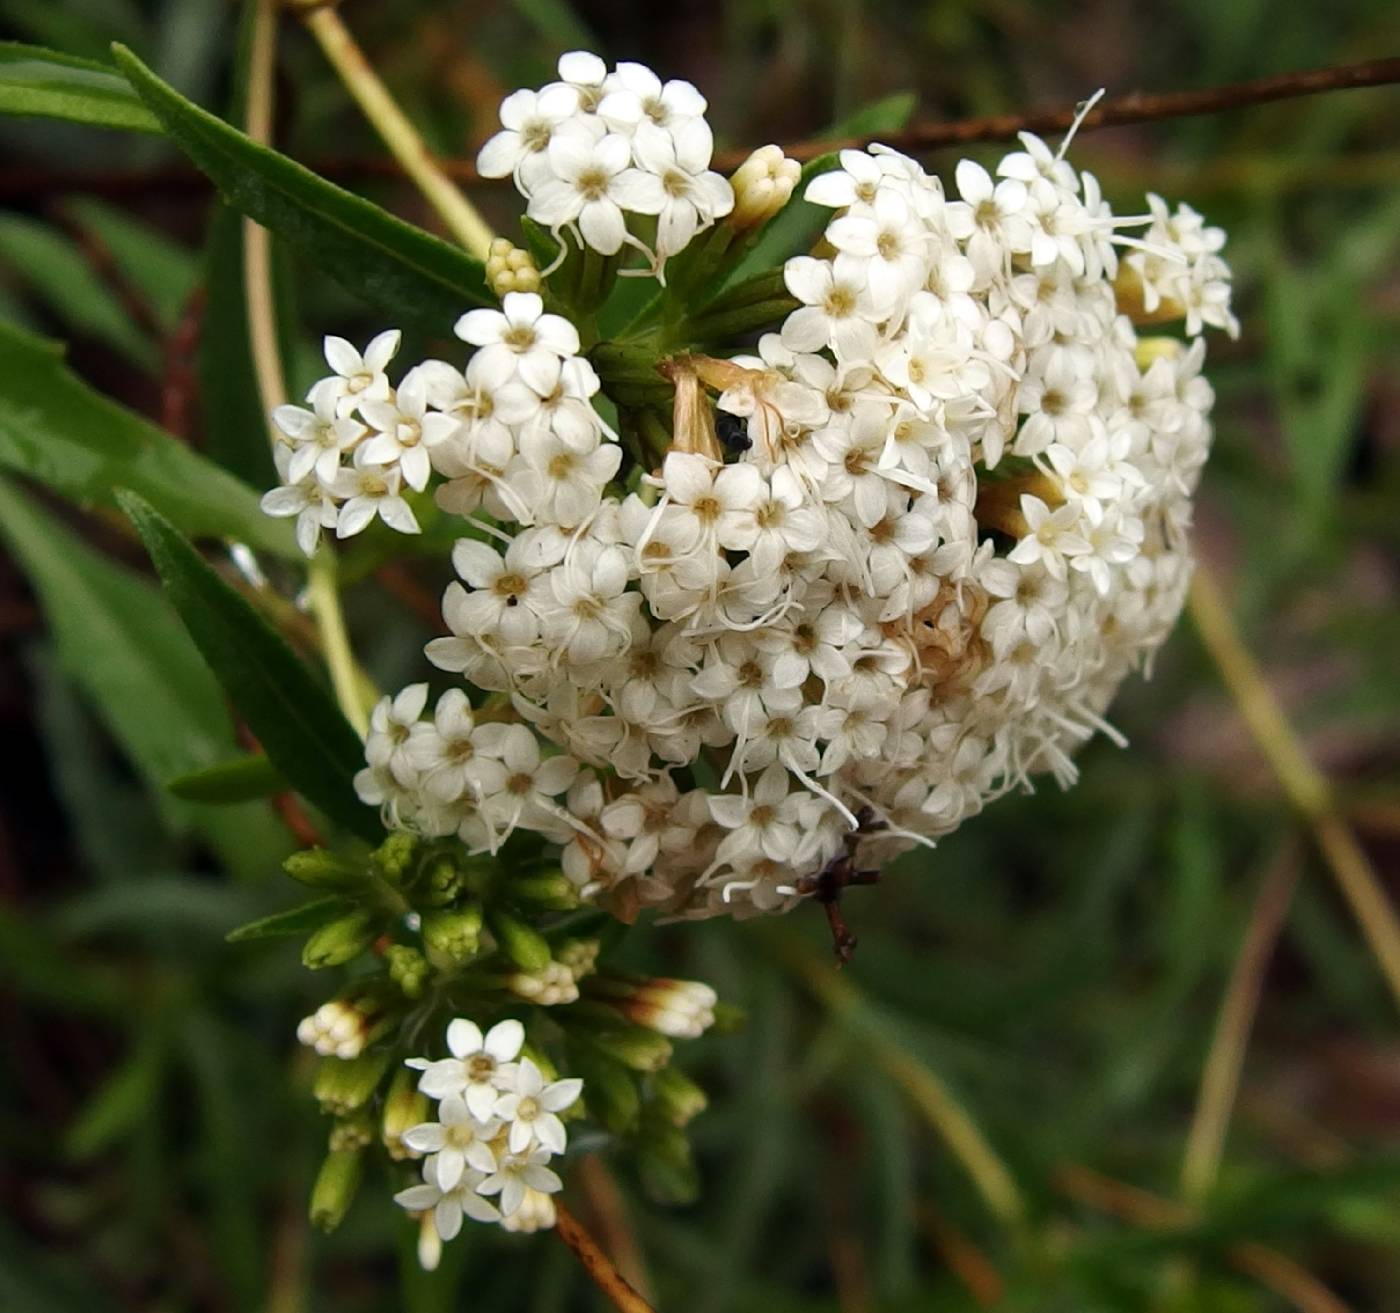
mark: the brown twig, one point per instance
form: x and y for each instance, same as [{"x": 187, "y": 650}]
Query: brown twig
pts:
[
  {"x": 597, "y": 1264},
  {"x": 1306, "y": 788},
  {"x": 1117, "y": 111},
  {"x": 1220, "y": 1079},
  {"x": 399, "y": 581},
  {"x": 1141, "y": 1208},
  {"x": 179, "y": 380},
  {"x": 609, "y": 1211},
  {"x": 104, "y": 264},
  {"x": 963, "y": 1258}
]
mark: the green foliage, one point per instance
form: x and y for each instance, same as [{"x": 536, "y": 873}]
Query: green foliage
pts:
[
  {"x": 55, "y": 428},
  {"x": 294, "y": 921},
  {"x": 416, "y": 277},
  {"x": 118, "y": 641},
  {"x": 286, "y": 706},
  {"x": 52, "y": 265},
  {"x": 239, "y": 779},
  {"x": 50, "y": 84}
]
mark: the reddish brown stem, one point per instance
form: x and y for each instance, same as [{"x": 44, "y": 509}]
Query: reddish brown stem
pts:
[
  {"x": 597, "y": 1264},
  {"x": 1115, "y": 111}
]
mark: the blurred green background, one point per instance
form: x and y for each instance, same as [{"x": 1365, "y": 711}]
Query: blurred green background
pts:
[{"x": 1055, "y": 970}]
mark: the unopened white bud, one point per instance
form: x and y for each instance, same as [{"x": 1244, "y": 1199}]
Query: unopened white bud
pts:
[{"x": 762, "y": 185}]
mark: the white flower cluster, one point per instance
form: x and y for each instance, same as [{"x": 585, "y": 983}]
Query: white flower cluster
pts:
[
  {"x": 516, "y": 435},
  {"x": 590, "y": 149},
  {"x": 951, "y": 518},
  {"x": 497, "y": 1126}
]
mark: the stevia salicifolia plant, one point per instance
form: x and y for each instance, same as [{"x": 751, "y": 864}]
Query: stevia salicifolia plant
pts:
[
  {"x": 797, "y": 568},
  {"x": 798, "y": 511}
]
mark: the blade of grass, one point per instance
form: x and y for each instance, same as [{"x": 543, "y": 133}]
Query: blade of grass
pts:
[{"x": 1304, "y": 786}]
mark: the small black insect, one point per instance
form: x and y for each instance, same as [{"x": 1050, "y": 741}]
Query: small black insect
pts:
[
  {"x": 732, "y": 431},
  {"x": 839, "y": 874}
]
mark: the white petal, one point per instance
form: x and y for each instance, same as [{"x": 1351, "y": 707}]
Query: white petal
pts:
[
  {"x": 463, "y": 1037},
  {"x": 504, "y": 1039},
  {"x": 341, "y": 356},
  {"x": 602, "y": 227}
]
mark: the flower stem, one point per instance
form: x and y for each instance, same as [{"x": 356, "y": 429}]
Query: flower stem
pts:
[
  {"x": 597, "y": 1264},
  {"x": 456, "y": 212},
  {"x": 324, "y": 599},
  {"x": 347, "y": 679},
  {"x": 925, "y": 1090},
  {"x": 257, "y": 241},
  {"x": 1303, "y": 784},
  {"x": 1220, "y": 1078}
]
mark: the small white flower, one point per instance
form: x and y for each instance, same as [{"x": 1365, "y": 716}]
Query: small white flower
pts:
[
  {"x": 457, "y": 1140},
  {"x": 448, "y": 1207},
  {"x": 517, "y": 1176},
  {"x": 531, "y": 1108},
  {"x": 367, "y": 491},
  {"x": 481, "y": 1066},
  {"x": 519, "y": 338},
  {"x": 528, "y": 120},
  {"x": 592, "y": 183},
  {"x": 357, "y": 377}
]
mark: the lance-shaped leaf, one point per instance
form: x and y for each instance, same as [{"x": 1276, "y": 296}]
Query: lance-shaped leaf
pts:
[
  {"x": 120, "y": 645},
  {"x": 294, "y": 921},
  {"x": 240, "y": 779},
  {"x": 56, "y": 429},
  {"x": 410, "y": 273},
  {"x": 39, "y": 83},
  {"x": 289, "y": 709}
]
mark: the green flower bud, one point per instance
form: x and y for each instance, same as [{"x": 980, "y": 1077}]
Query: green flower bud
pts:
[
  {"x": 404, "y": 1107},
  {"x": 322, "y": 870},
  {"x": 452, "y": 936},
  {"x": 549, "y": 988},
  {"x": 354, "y": 1132},
  {"x": 676, "y": 1097},
  {"x": 522, "y": 944},
  {"x": 343, "y": 1085},
  {"x": 665, "y": 1163},
  {"x": 338, "y": 941},
  {"x": 551, "y": 891},
  {"x": 635, "y": 1047},
  {"x": 335, "y": 1188},
  {"x": 579, "y": 955},
  {"x": 609, "y": 1090},
  {"x": 394, "y": 858},
  {"x": 408, "y": 968},
  {"x": 442, "y": 881}
]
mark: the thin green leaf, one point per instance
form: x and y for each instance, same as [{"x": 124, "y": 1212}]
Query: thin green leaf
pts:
[
  {"x": 51, "y": 266},
  {"x": 298, "y": 920},
  {"x": 235, "y": 429},
  {"x": 239, "y": 779},
  {"x": 56, "y": 429},
  {"x": 286, "y": 706},
  {"x": 119, "y": 1104},
  {"x": 887, "y": 115},
  {"x": 162, "y": 271},
  {"x": 121, "y": 645},
  {"x": 408, "y": 272},
  {"x": 40, "y": 83}
]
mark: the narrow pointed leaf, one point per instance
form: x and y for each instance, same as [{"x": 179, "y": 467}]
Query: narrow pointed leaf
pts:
[
  {"x": 286, "y": 706},
  {"x": 240, "y": 779},
  {"x": 294, "y": 921},
  {"x": 412, "y": 274},
  {"x": 40, "y": 83},
  {"x": 56, "y": 429}
]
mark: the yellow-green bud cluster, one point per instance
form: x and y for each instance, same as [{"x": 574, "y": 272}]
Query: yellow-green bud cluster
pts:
[{"x": 510, "y": 268}]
